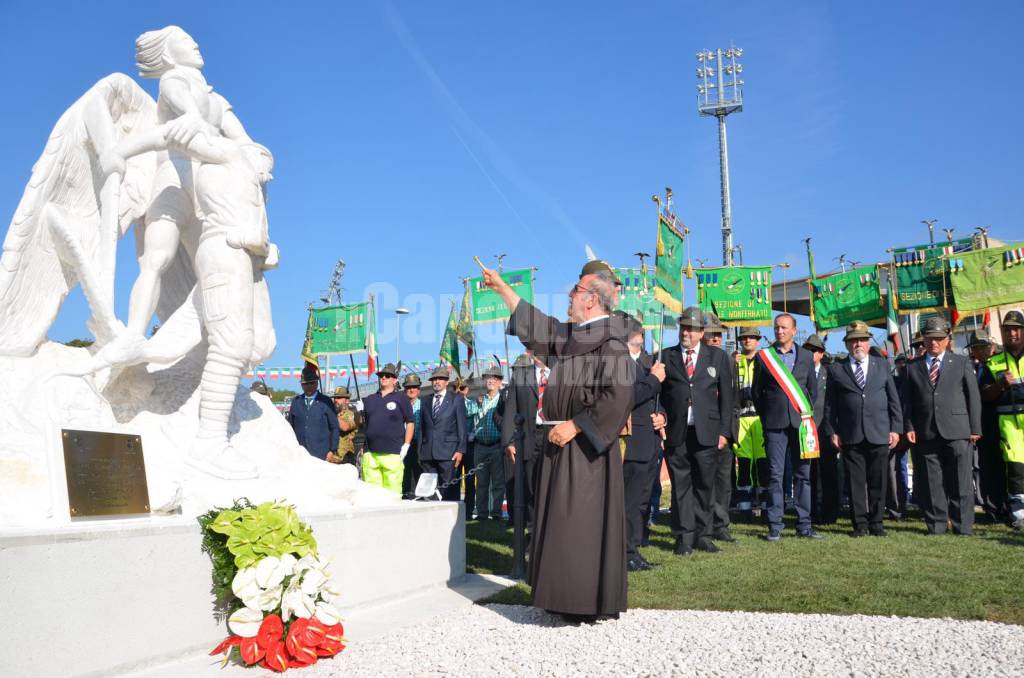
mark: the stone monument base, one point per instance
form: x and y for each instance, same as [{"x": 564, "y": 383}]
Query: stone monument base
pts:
[{"x": 101, "y": 598}]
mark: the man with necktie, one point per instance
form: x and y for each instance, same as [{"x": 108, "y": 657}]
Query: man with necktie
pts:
[
  {"x": 313, "y": 417},
  {"x": 863, "y": 412},
  {"x": 942, "y": 416},
  {"x": 442, "y": 433},
  {"x": 781, "y": 423},
  {"x": 697, "y": 394}
]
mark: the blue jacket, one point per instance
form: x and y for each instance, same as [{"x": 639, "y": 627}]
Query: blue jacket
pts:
[
  {"x": 440, "y": 438},
  {"x": 316, "y": 426}
]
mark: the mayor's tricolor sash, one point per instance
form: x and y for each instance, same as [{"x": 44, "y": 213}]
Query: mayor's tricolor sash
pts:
[{"x": 810, "y": 448}]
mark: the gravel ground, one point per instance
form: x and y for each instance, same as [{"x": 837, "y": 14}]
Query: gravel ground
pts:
[{"x": 512, "y": 640}]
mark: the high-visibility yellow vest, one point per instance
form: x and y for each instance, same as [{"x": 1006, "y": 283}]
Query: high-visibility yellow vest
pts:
[{"x": 1010, "y": 407}]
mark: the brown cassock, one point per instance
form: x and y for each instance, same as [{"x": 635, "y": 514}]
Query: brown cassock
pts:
[{"x": 578, "y": 550}]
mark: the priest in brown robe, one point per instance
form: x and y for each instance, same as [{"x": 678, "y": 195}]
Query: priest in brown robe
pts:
[{"x": 578, "y": 553}]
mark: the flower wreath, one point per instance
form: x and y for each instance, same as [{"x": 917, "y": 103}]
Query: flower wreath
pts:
[{"x": 275, "y": 591}]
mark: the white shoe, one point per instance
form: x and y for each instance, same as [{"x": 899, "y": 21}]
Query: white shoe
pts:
[{"x": 220, "y": 460}]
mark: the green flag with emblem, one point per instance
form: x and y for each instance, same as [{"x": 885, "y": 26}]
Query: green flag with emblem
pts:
[
  {"x": 668, "y": 263},
  {"x": 922, "y": 283},
  {"x": 989, "y": 277},
  {"x": 739, "y": 295},
  {"x": 488, "y": 306},
  {"x": 841, "y": 298},
  {"x": 339, "y": 329},
  {"x": 636, "y": 297}
]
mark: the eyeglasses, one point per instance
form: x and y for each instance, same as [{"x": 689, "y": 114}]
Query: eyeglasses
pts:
[{"x": 579, "y": 288}]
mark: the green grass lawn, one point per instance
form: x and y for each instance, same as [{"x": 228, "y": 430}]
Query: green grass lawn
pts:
[{"x": 905, "y": 574}]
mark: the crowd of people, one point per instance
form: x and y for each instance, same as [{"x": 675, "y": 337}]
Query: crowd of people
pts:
[{"x": 768, "y": 428}]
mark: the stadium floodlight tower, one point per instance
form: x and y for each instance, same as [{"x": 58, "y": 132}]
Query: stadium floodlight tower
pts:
[{"x": 718, "y": 97}]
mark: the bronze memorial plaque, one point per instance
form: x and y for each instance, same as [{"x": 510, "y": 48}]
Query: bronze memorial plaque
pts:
[{"x": 106, "y": 473}]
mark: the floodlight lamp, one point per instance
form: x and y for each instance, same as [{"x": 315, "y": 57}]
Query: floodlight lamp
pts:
[
  {"x": 739, "y": 68},
  {"x": 700, "y": 72},
  {"x": 728, "y": 53},
  {"x": 728, "y": 70},
  {"x": 710, "y": 72},
  {"x": 738, "y": 52},
  {"x": 700, "y": 89},
  {"x": 700, "y": 57}
]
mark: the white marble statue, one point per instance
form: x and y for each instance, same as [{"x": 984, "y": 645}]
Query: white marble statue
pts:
[{"x": 186, "y": 174}]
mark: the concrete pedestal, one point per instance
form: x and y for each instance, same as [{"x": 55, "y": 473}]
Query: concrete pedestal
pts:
[{"x": 108, "y": 597}]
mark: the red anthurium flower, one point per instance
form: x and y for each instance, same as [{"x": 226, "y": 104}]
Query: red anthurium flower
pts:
[
  {"x": 304, "y": 654},
  {"x": 294, "y": 640},
  {"x": 335, "y": 633},
  {"x": 329, "y": 648},
  {"x": 270, "y": 630},
  {"x": 314, "y": 634},
  {"x": 276, "y": 659},
  {"x": 227, "y": 643},
  {"x": 251, "y": 651}
]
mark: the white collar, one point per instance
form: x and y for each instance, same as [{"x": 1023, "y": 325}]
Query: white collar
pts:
[{"x": 595, "y": 319}]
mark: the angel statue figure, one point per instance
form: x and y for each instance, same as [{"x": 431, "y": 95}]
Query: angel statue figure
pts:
[{"x": 183, "y": 170}]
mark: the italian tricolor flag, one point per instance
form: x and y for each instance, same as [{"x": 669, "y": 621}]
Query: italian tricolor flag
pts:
[{"x": 810, "y": 446}]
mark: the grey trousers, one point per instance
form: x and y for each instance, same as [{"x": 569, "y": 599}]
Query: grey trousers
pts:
[{"x": 490, "y": 480}]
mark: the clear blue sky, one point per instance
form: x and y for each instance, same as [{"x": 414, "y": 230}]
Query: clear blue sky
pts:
[{"x": 409, "y": 136}]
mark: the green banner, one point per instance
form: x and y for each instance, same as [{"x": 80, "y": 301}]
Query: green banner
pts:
[
  {"x": 668, "y": 264},
  {"x": 449, "y": 351},
  {"x": 989, "y": 277},
  {"x": 841, "y": 298},
  {"x": 739, "y": 295},
  {"x": 339, "y": 329},
  {"x": 488, "y": 306},
  {"x": 921, "y": 281},
  {"x": 637, "y": 299}
]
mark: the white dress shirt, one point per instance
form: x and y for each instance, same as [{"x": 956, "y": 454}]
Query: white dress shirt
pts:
[{"x": 696, "y": 354}]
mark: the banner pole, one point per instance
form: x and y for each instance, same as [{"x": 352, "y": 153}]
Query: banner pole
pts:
[
  {"x": 472, "y": 329},
  {"x": 355, "y": 375}
]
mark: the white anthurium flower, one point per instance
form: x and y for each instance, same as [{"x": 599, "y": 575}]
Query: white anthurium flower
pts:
[
  {"x": 245, "y": 622},
  {"x": 327, "y": 614},
  {"x": 296, "y": 602},
  {"x": 312, "y": 581},
  {"x": 330, "y": 591},
  {"x": 304, "y": 563},
  {"x": 270, "y": 599},
  {"x": 244, "y": 584},
  {"x": 271, "y": 571}
]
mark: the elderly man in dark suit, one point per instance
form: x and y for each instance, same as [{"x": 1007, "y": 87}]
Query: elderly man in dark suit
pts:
[
  {"x": 942, "y": 417},
  {"x": 863, "y": 411},
  {"x": 314, "y": 418},
  {"x": 698, "y": 395},
  {"x": 781, "y": 423},
  {"x": 442, "y": 433}
]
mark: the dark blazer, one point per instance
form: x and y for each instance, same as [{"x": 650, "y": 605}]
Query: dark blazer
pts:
[
  {"x": 952, "y": 410},
  {"x": 863, "y": 416},
  {"x": 770, "y": 400},
  {"x": 711, "y": 393},
  {"x": 644, "y": 443},
  {"x": 440, "y": 437},
  {"x": 316, "y": 427},
  {"x": 520, "y": 397},
  {"x": 821, "y": 384}
]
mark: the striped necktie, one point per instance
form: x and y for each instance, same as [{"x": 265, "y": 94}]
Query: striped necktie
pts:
[
  {"x": 689, "y": 363},
  {"x": 933, "y": 373},
  {"x": 858, "y": 374},
  {"x": 437, "y": 404}
]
